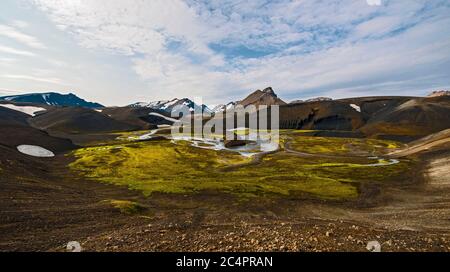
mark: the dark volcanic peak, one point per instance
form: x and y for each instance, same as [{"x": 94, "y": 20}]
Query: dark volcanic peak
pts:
[
  {"x": 264, "y": 97},
  {"x": 269, "y": 91},
  {"x": 52, "y": 99}
]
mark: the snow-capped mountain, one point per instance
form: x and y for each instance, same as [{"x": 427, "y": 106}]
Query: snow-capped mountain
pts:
[
  {"x": 169, "y": 105},
  {"x": 316, "y": 99},
  {"x": 52, "y": 99},
  {"x": 223, "y": 107}
]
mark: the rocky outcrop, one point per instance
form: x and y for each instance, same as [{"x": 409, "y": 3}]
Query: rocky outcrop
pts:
[
  {"x": 264, "y": 97},
  {"x": 223, "y": 107},
  {"x": 236, "y": 143},
  {"x": 439, "y": 93},
  {"x": 317, "y": 99}
]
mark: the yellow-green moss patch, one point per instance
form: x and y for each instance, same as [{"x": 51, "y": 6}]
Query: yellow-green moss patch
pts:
[
  {"x": 340, "y": 146},
  {"x": 126, "y": 206},
  {"x": 164, "y": 167}
]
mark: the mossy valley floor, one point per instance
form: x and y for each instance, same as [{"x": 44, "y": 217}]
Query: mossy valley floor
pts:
[
  {"x": 313, "y": 194},
  {"x": 162, "y": 166}
]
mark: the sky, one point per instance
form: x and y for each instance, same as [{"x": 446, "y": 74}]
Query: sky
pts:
[{"x": 118, "y": 52}]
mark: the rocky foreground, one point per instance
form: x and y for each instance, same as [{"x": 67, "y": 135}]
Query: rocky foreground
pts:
[{"x": 274, "y": 236}]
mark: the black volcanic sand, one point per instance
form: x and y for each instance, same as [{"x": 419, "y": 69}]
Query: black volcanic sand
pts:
[{"x": 44, "y": 206}]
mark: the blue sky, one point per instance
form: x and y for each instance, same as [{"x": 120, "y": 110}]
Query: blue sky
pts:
[{"x": 121, "y": 51}]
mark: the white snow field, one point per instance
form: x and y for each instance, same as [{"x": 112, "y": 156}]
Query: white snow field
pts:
[
  {"x": 30, "y": 110},
  {"x": 356, "y": 107},
  {"x": 164, "y": 117},
  {"x": 35, "y": 151}
]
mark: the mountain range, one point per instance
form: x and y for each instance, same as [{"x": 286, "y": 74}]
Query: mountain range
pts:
[
  {"x": 51, "y": 99},
  {"x": 169, "y": 105},
  {"x": 258, "y": 97},
  {"x": 390, "y": 117}
]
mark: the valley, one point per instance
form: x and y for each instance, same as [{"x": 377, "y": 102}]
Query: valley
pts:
[
  {"x": 237, "y": 129},
  {"x": 119, "y": 182},
  {"x": 167, "y": 167}
]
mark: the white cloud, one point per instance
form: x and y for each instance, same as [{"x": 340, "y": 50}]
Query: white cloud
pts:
[
  {"x": 33, "y": 78},
  {"x": 13, "y": 33},
  {"x": 7, "y": 60},
  {"x": 19, "y": 24},
  {"x": 305, "y": 46},
  {"x": 377, "y": 26},
  {"x": 128, "y": 27},
  {"x": 10, "y": 50},
  {"x": 374, "y": 2},
  {"x": 5, "y": 92}
]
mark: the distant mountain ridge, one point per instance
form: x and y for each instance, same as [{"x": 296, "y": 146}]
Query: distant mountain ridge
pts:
[
  {"x": 223, "y": 107},
  {"x": 401, "y": 118},
  {"x": 439, "y": 93},
  {"x": 52, "y": 99},
  {"x": 168, "y": 105},
  {"x": 316, "y": 99}
]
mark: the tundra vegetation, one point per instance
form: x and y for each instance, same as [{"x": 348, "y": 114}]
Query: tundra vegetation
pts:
[
  {"x": 163, "y": 166},
  {"x": 126, "y": 206}
]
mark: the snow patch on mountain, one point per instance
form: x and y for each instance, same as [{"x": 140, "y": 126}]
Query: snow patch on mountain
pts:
[
  {"x": 169, "y": 105},
  {"x": 35, "y": 151},
  {"x": 164, "y": 117},
  {"x": 223, "y": 107},
  {"x": 356, "y": 107},
  {"x": 10, "y": 98},
  {"x": 319, "y": 99},
  {"x": 30, "y": 110},
  {"x": 53, "y": 99}
]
